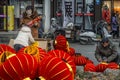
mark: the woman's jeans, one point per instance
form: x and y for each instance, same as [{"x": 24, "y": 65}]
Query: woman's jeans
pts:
[{"x": 17, "y": 47}]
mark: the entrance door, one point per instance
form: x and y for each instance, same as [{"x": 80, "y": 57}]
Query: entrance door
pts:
[{"x": 84, "y": 14}]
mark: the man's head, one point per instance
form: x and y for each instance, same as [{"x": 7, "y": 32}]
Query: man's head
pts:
[{"x": 105, "y": 42}]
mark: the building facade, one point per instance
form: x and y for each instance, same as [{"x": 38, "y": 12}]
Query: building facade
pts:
[{"x": 83, "y": 13}]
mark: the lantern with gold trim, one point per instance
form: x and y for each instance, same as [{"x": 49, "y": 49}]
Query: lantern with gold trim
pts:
[
  {"x": 65, "y": 57},
  {"x": 101, "y": 67},
  {"x": 19, "y": 67},
  {"x": 90, "y": 67},
  {"x": 113, "y": 65},
  {"x": 5, "y": 51},
  {"x": 53, "y": 68},
  {"x": 61, "y": 43},
  {"x": 35, "y": 51},
  {"x": 79, "y": 59},
  {"x": 89, "y": 61}
]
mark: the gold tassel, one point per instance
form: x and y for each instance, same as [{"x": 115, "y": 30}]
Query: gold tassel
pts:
[
  {"x": 55, "y": 42},
  {"x": 27, "y": 78},
  {"x": 104, "y": 63},
  {"x": 36, "y": 43},
  {"x": 42, "y": 78},
  {"x": 70, "y": 69},
  {"x": 68, "y": 46},
  {"x": 11, "y": 56}
]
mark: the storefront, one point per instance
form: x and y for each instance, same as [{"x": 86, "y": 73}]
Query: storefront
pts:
[
  {"x": 80, "y": 12},
  {"x": 11, "y": 12},
  {"x": 109, "y": 7},
  {"x": 20, "y": 6}
]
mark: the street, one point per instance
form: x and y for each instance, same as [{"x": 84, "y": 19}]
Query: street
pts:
[{"x": 88, "y": 50}]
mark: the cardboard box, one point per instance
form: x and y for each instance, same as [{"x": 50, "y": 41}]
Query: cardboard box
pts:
[
  {"x": 43, "y": 43},
  {"x": 11, "y": 43}
]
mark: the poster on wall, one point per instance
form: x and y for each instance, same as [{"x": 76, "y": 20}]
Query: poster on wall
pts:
[{"x": 68, "y": 12}]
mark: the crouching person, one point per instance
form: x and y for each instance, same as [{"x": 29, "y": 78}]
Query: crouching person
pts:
[{"x": 106, "y": 51}]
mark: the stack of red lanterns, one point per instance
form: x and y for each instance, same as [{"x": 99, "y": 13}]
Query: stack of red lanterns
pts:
[{"x": 33, "y": 62}]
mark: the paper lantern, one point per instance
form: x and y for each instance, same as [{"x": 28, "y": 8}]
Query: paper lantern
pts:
[
  {"x": 101, "y": 67},
  {"x": 53, "y": 68},
  {"x": 113, "y": 65},
  {"x": 60, "y": 43},
  {"x": 65, "y": 57},
  {"x": 90, "y": 67},
  {"x": 89, "y": 61},
  {"x": 71, "y": 51},
  {"x": 19, "y": 67},
  {"x": 4, "y": 47},
  {"x": 37, "y": 52},
  {"x": 6, "y": 51},
  {"x": 79, "y": 59}
]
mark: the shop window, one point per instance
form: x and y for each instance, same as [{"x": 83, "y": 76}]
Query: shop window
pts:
[{"x": 38, "y": 4}]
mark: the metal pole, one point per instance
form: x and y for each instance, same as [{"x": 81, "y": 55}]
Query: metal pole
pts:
[{"x": 6, "y": 15}]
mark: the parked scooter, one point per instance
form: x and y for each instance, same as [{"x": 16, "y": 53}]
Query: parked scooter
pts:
[{"x": 89, "y": 37}]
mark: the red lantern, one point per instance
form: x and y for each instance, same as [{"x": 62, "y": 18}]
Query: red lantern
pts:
[
  {"x": 19, "y": 67},
  {"x": 89, "y": 61},
  {"x": 65, "y": 57},
  {"x": 101, "y": 67},
  {"x": 6, "y": 51},
  {"x": 53, "y": 68},
  {"x": 37, "y": 52},
  {"x": 80, "y": 60},
  {"x": 71, "y": 51},
  {"x": 90, "y": 67},
  {"x": 4, "y": 47},
  {"x": 60, "y": 43},
  {"x": 113, "y": 65}
]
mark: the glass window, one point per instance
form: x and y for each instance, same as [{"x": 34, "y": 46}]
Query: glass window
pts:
[
  {"x": 79, "y": 13},
  {"x": 38, "y": 4}
]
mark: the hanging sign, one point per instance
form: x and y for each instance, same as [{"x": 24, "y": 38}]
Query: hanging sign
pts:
[{"x": 68, "y": 12}]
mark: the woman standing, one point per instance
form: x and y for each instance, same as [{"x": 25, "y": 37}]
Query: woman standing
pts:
[
  {"x": 114, "y": 25},
  {"x": 28, "y": 16}
]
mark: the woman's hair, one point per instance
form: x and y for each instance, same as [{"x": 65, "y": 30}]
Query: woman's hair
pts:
[{"x": 34, "y": 12}]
